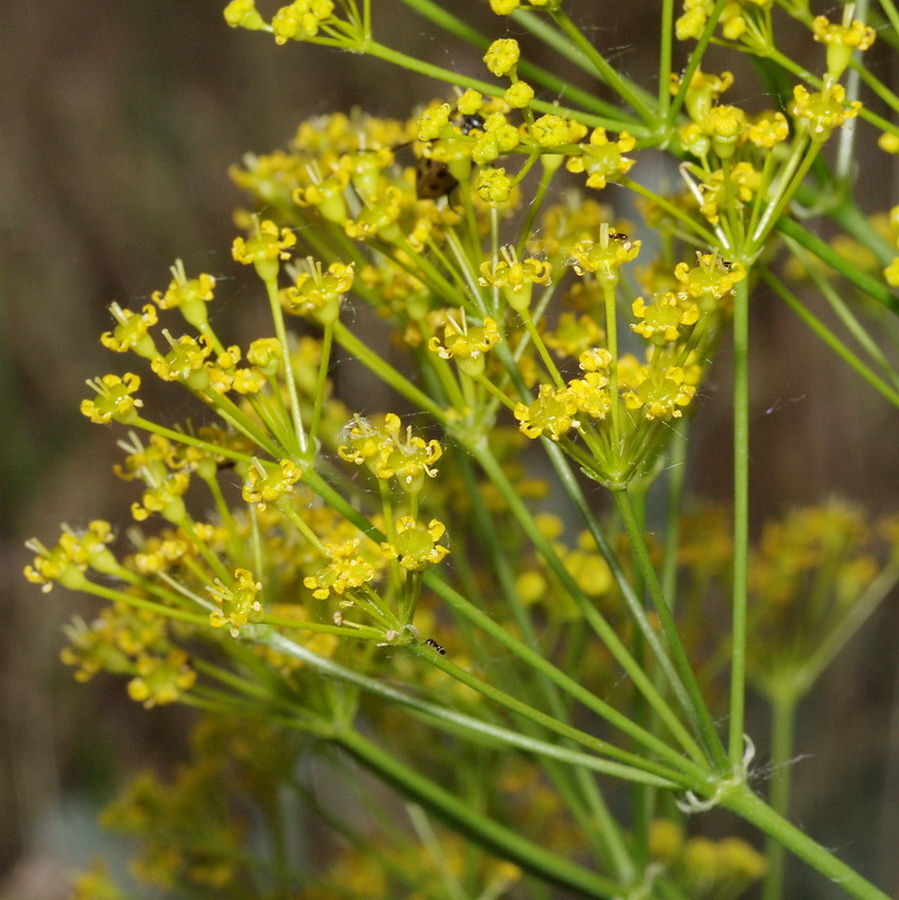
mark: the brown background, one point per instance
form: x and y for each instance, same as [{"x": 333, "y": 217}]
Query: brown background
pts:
[{"x": 118, "y": 121}]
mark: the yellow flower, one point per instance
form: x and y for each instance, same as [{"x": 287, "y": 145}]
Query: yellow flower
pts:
[
  {"x": 502, "y": 56},
  {"x": 519, "y": 95},
  {"x": 346, "y": 570},
  {"x": 237, "y": 603},
  {"x": 603, "y": 258},
  {"x": 493, "y": 186},
  {"x": 300, "y": 20},
  {"x": 114, "y": 399},
  {"x": 264, "y": 248},
  {"x": 390, "y": 453},
  {"x": 703, "y": 91},
  {"x": 824, "y": 110},
  {"x": 415, "y": 546},
  {"x": 185, "y": 361},
  {"x": 318, "y": 294},
  {"x": 466, "y": 343},
  {"x": 131, "y": 333},
  {"x": 161, "y": 679},
  {"x": 243, "y": 14},
  {"x": 660, "y": 394},
  {"x": 188, "y": 295},
  {"x": 602, "y": 159},
  {"x": 264, "y": 486},
  {"x": 551, "y": 413},
  {"x": 515, "y": 279},
  {"x": 841, "y": 41},
  {"x": 551, "y": 131},
  {"x": 664, "y": 318},
  {"x": 165, "y": 497}
]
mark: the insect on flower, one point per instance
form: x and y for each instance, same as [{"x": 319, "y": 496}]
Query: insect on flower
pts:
[{"x": 433, "y": 179}]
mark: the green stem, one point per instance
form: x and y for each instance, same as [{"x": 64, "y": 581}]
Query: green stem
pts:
[
  {"x": 321, "y": 381},
  {"x": 829, "y": 338},
  {"x": 549, "y": 80},
  {"x": 596, "y": 620},
  {"x": 741, "y": 521},
  {"x": 468, "y": 821},
  {"x": 271, "y": 288},
  {"x": 867, "y": 283},
  {"x": 693, "y": 701},
  {"x": 783, "y": 720},
  {"x": 379, "y": 51},
  {"x": 742, "y": 801},
  {"x": 604, "y": 70}
]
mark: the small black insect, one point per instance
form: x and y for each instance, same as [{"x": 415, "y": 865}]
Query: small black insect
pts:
[
  {"x": 474, "y": 122},
  {"x": 432, "y": 643},
  {"x": 433, "y": 179},
  {"x": 617, "y": 236},
  {"x": 725, "y": 264}
]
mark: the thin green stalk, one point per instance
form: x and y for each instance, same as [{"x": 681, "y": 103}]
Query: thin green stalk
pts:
[
  {"x": 271, "y": 289},
  {"x": 321, "y": 380},
  {"x": 850, "y": 321},
  {"x": 604, "y": 70},
  {"x": 741, "y": 522},
  {"x": 829, "y": 338},
  {"x": 487, "y": 832},
  {"x": 666, "y": 30},
  {"x": 588, "y": 800},
  {"x": 380, "y": 51},
  {"x": 862, "y": 280},
  {"x": 386, "y": 372},
  {"x": 526, "y": 654},
  {"x": 694, "y": 61},
  {"x": 636, "y": 768},
  {"x": 549, "y": 80},
  {"x": 596, "y": 620},
  {"x": 783, "y": 721},
  {"x": 697, "y": 708},
  {"x": 742, "y": 801}
]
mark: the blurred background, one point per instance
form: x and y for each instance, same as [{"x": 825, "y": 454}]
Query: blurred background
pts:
[{"x": 119, "y": 121}]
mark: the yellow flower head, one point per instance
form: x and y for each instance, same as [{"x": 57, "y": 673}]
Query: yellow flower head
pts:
[
  {"x": 660, "y": 394},
  {"x": 823, "y": 110},
  {"x": 264, "y": 486},
  {"x": 316, "y": 293},
  {"x": 841, "y": 41},
  {"x": 131, "y": 333},
  {"x": 243, "y": 14},
  {"x": 493, "y": 186},
  {"x": 602, "y": 159},
  {"x": 378, "y": 217},
  {"x": 703, "y": 91},
  {"x": 165, "y": 497},
  {"x": 185, "y": 361},
  {"x": 114, "y": 399},
  {"x": 710, "y": 280},
  {"x": 389, "y": 452},
  {"x": 300, "y": 20},
  {"x": 161, "y": 679},
  {"x": 188, "y": 295},
  {"x": 662, "y": 320},
  {"x": 326, "y": 195},
  {"x": 415, "y": 546},
  {"x": 237, "y": 603},
  {"x": 552, "y": 413},
  {"x": 502, "y": 56},
  {"x": 515, "y": 278},
  {"x": 466, "y": 343},
  {"x": 264, "y": 248},
  {"x": 603, "y": 258},
  {"x": 347, "y": 569}
]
